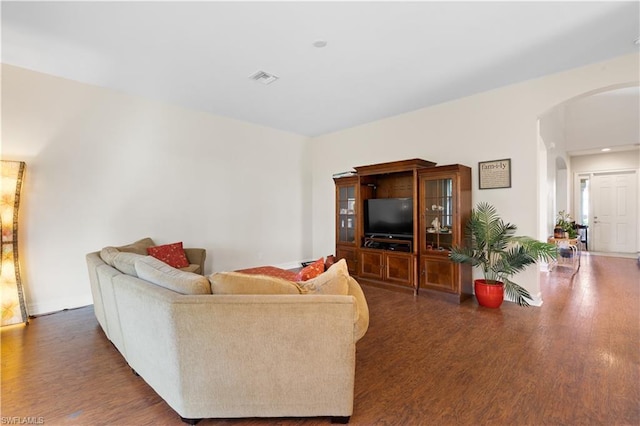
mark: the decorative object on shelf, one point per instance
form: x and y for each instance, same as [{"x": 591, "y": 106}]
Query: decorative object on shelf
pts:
[
  {"x": 565, "y": 222},
  {"x": 493, "y": 247},
  {"x": 495, "y": 174},
  {"x": 14, "y": 308},
  {"x": 435, "y": 223}
]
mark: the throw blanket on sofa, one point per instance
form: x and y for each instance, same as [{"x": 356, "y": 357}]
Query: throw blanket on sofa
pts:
[
  {"x": 271, "y": 271},
  {"x": 313, "y": 269}
]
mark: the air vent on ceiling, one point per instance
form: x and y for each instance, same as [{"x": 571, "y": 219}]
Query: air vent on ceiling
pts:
[{"x": 263, "y": 77}]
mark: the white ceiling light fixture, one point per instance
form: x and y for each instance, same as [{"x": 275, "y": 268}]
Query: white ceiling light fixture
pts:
[
  {"x": 263, "y": 77},
  {"x": 605, "y": 149},
  {"x": 637, "y": 41},
  {"x": 319, "y": 43}
]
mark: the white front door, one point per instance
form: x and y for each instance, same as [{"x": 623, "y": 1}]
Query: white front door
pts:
[{"x": 614, "y": 212}]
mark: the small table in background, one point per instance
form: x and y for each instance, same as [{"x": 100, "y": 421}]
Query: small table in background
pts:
[
  {"x": 583, "y": 234},
  {"x": 570, "y": 247}
]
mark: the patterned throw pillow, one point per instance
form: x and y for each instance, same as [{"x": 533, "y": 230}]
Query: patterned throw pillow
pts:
[
  {"x": 311, "y": 271},
  {"x": 171, "y": 254}
]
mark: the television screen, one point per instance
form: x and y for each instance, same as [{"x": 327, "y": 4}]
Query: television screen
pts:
[{"x": 388, "y": 217}]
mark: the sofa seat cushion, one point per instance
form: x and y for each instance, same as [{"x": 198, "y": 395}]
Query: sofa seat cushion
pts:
[
  {"x": 241, "y": 283},
  {"x": 159, "y": 273},
  {"x": 333, "y": 281}
]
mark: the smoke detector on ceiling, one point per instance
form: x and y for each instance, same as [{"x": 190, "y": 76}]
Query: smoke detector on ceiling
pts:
[{"x": 263, "y": 77}]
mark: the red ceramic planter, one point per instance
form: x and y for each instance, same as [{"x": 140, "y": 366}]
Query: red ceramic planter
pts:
[{"x": 489, "y": 295}]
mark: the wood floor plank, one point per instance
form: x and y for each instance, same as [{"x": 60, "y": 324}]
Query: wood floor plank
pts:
[{"x": 424, "y": 361}]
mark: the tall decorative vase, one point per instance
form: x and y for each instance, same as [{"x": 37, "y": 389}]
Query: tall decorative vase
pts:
[{"x": 489, "y": 295}]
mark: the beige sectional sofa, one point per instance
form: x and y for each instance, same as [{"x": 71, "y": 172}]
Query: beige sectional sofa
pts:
[{"x": 287, "y": 352}]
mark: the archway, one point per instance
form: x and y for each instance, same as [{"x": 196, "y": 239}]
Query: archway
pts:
[{"x": 559, "y": 154}]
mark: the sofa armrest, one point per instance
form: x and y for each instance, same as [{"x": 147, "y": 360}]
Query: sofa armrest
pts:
[
  {"x": 196, "y": 256},
  {"x": 362, "y": 309}
]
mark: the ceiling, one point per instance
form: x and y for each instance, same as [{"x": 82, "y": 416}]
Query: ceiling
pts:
[
  {"x": 381, "y": 58},
  {"x": 606, "y": 120}
]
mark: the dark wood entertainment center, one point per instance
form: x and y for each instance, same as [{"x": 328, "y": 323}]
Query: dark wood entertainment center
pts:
[{"x": 441, "y": 204}]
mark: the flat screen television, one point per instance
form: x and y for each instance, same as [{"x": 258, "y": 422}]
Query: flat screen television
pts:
[{"x": 388, "y": 217}]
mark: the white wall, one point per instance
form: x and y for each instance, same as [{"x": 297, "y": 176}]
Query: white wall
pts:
[
  {"x": 105, "y": 168},
  {"x": 552, "y": 131},
  {"x": 498, "y": 124},
  {"x": 610, "y": 161}
]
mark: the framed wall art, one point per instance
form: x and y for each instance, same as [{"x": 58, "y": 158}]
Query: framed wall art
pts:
[{"x": 495, "y": 174}]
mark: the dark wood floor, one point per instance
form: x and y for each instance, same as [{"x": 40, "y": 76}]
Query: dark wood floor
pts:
[{"x": 573, "y": 361}]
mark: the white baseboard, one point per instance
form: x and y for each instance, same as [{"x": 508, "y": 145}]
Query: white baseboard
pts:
[{"x": 48, "y": 307}]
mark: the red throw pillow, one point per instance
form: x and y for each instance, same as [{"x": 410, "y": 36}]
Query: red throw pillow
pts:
[
  {"x": 311, "y": 271},
  {"x": 171, "y": 254}
]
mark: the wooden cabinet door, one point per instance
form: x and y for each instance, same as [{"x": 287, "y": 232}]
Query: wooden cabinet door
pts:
[
  {"x": 371, "y": 262},
  {"x": 398, "y": 269},
  {"x": 350, "y": 254},
  {"x": 346, "y": 211},
  {"x": 438, "y": 274}
]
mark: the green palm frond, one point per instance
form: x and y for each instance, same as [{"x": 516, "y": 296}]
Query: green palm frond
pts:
[
  {"x": 493, "y": 247},
  {"x": 517, "y": 293}
]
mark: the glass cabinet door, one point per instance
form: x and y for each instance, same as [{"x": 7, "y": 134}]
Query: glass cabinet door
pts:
[
  {"x": 346, "y": 214},
  {"x": 439, "y": 214}
]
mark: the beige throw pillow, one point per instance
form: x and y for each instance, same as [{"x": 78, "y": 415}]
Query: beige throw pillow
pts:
[
  {"x": 159, "y": 273},
  {"x": 333, "y": 281},
  {"x": 239, "y": 283}
]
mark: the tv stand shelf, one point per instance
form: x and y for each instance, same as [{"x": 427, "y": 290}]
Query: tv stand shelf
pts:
[{"x": 391, "y": 244}]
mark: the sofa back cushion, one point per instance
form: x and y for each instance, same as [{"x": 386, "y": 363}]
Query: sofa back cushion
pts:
[
  {"x": 139, "y": 247},
  {"x": 125, "y": 262},
  {"x": 159, "y": 273},
  {"x": 240, "y": 283}
]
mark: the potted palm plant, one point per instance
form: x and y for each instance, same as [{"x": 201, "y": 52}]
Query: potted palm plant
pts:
[{"x": 493, "y": 247}]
